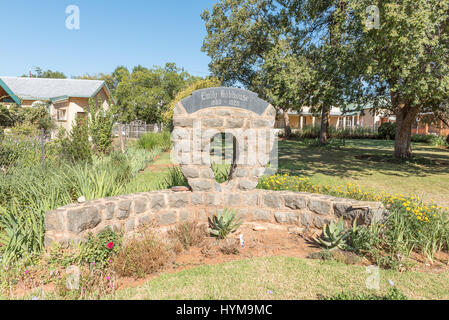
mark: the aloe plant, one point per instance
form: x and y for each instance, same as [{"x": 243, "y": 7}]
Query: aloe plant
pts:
[
  {"x": 224, "y": 223},
  {"x": 334, "y": 236}
]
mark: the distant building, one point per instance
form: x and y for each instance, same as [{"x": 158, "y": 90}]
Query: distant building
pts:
[
  {"x": 366, "y": 118},
  {"x": 67, "y": 98}
]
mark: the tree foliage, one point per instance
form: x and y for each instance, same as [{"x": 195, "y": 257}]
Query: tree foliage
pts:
[
  {"x": 144, "y": 94},
  {"x": 39, "y": 73},
  {"x": 100, "y": 124},
  {"x": 401, "y": 66}
]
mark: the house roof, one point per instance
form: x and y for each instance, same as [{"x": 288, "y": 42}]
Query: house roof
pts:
[
  {"x": 21, "y": 88},
  {"x": 351, "y": 110}
]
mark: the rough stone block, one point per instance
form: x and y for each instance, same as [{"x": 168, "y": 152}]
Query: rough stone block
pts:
[
  {"x": 206, "y": 173},
  {"x": 82, "y": 219},
  {"x": 190, "y": 171},
  {"x": 196, "y": 198},
  {"x": 212, "y": 122},
  {"x": 286, "y": 217},
  {"x": 240, "y": 172},
  {"x": 320, "y": 221},
  {"x": 179, "y": 199},
  {"x": 241, "y": 214},
  {"x": 213, "y": 199},
  {"x": 182, "y": 121},
  {"x": 54, "y": 220},
  {"x": 320, "y": 206},
  {"x": 110, "y": 210},
  {"x": 184, "y": 215},
  {"x": 263, "y": 215},
  {"x": 245, "y": 184},
  {"x": 200, "y": 184},
  {"x": 158, "y": 202},
  {"x": 272, "y": 200},
  {"x": 144, "y": 219},
  {"x": 224, "y": 112},
  {"x": 306, "y": 219},
  {"x": 129, "y": 225},
  {"x": 202, "y": 215},
  {"x": 294, "y": 201},
  {"x": 167, "y": 218},
  {"x": 232, "y": 199},
  {"x": 249, "y": 199},
  {"x": 257, "y": 172},
  {"x": 234, "y": 123},
  {"x": 140, "y": 205},
  {"x": 123, "y": 209}
]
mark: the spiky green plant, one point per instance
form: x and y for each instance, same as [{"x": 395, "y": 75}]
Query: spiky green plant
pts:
[
  {"x": 224, "y": 223},
  {"x": 334, "y": 236}
]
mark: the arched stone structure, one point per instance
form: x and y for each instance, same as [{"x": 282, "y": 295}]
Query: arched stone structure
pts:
[
  {"x": 207, "y": 112},
  {"x": 196, "y": 120}
]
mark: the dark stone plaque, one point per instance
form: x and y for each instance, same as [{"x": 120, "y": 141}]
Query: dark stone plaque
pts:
[{"x": 224, "y": 97}]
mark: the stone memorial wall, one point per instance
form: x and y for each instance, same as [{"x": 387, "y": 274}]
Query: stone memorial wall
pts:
[{"x": 197, "y": 119}]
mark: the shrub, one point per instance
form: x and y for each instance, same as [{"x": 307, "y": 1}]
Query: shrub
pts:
[
  {"x": 76, "y": 147},
  {"x": 142, "y": 255},
  {"x": 151, "y": 140},
  {"x": 424, "y": 138},
  {"x": 100, "y": 126},
  {"x": 221, "y": 172},
  {"x": 98, "y": 249},
  {"x": 228, "y": 246},
  {"x": 174, "y": 178},
  {"x": 93, "y": 283},
  {"x": 387, "y": 131},
  {"x": 188, "y": 233},
  {"x": 223, "y": 223}
]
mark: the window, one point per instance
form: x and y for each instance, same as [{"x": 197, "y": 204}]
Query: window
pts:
[{"x": 62, "y": 115}]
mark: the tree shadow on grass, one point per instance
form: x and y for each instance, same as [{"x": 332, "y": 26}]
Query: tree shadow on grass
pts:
[{"x": 359, "y": 158}]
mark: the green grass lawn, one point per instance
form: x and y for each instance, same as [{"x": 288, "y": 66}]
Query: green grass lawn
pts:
[
  {"x": 287, "y": 278},
  {"x": 370, "y": 164},
  {"x": 150, "y": 179}
]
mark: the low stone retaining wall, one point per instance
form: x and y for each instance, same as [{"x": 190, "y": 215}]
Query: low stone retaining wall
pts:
[{"x": 73, "y": 222}]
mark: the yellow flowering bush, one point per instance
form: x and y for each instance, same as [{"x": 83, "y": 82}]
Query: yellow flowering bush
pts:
[{"x": 412, "y": 224}]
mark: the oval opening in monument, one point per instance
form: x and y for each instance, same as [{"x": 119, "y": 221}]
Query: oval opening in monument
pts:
[{"x": 223, "y": 155}]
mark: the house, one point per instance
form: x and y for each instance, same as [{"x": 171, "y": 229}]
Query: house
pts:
[
  {"x": 427, "y": 123},
  {"x": 366, "y": 118},
  {"x": 67, "y": 98}
]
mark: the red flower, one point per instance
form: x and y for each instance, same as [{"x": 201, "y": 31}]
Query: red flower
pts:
[{"x": 110, "y": 245}]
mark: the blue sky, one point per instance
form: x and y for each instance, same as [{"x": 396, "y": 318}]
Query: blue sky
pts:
[{"x": 112, "y": 33}]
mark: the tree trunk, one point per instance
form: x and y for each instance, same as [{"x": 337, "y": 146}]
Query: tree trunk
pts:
[
  {"x": 324, "y": 132},
  {"x": 287, "y": 128},
  {"x": 405, "y": 117}
]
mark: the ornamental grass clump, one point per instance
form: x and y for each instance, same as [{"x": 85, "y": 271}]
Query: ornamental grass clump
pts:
[
  {"x": 147, "y": 252},
  {"x": 188, "y": 233}
]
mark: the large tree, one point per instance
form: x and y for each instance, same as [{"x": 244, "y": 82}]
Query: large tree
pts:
[
  {"x": 240, "y": 35},
  {"x": 278, "y": 49},
  {"x": 403, "y": 63},
  {"x": 144, "y": 94}
]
